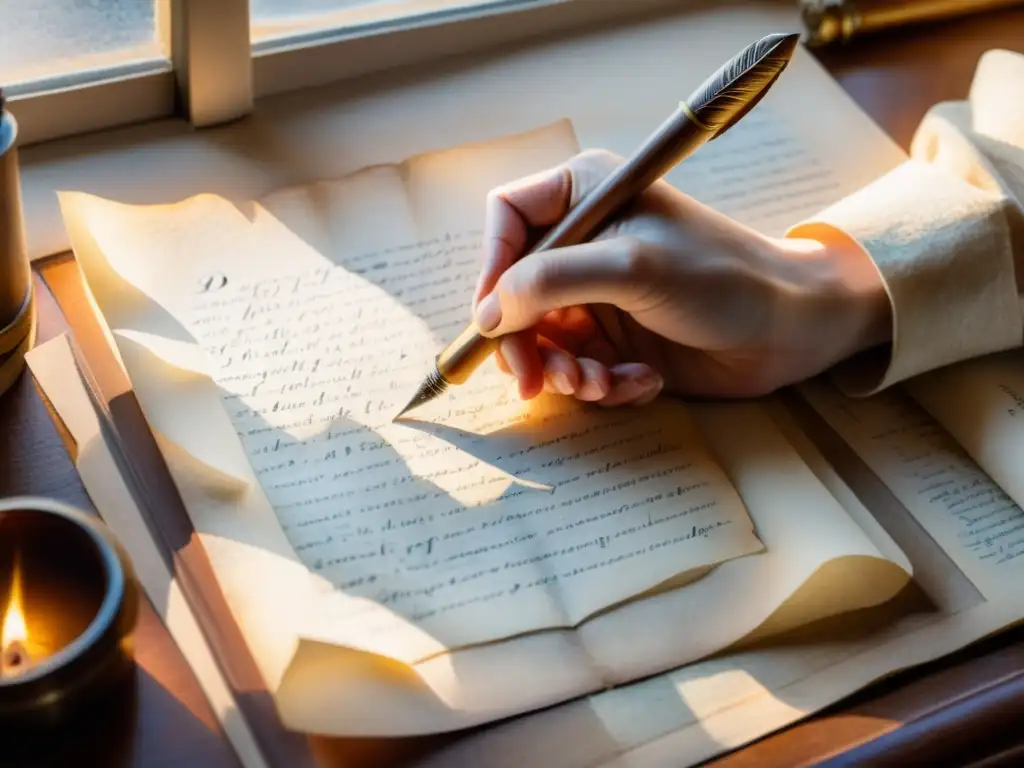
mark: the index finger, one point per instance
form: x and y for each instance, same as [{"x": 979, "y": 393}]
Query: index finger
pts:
[
  {"x": 535, "y": 202},
  {"x": 540, "y": 200}
]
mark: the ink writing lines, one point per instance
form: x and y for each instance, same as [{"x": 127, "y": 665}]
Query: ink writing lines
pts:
[
  {"x": 504, "y": 503},
  {"x": 989, "y": 524},
  {"x": 1017, "y": 400},
  {"x": 760, "y": 173},
  {"x": 932, "y": 475},
  {"x": 540, "y": 571}
]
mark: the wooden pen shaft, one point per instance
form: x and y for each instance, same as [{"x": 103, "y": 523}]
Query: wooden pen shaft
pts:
[
  {"x": 678, "y": 137},
  {"x": 465, "y": 354}
]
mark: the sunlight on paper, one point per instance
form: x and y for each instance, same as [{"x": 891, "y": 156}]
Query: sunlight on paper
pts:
[
  {"x": 315, "y": 362},
  {"x": 320, "y": 308},
  {"x": 311, "y": 605},
  {"x": 296, "y": 362},
  {"x": 714, "y": 693},
  {"x": 184, "y": 355}
]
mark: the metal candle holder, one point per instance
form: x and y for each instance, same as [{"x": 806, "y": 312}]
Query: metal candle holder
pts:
[{"x": 68, "y": 606}]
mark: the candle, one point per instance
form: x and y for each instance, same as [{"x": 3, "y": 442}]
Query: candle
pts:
[
  {"x": 68, "y": 601},
  {"x": 14, "y": 654},
  {"x": 20, "y": 649}
]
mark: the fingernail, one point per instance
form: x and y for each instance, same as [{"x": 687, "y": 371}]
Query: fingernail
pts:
[
  {"x": 636, "y": 389},
  {"x": 516, "y": 363},
  {"x": 650, "y": 381},
  {"x": 488, "y": 313},
  {"x": 591, "y": 391},
  {"x": 645, "y": 386},
  {"x": 562, "y": 383}
]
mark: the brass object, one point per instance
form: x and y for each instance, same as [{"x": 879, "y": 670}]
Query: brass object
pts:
[
  {"x": 714, "y": 107},
  {"x": 68, "y": 606},
  {"x": 837, "y": 21},
  {"x": 17, "y": 302},
  {"x": 16, "y": 340}
]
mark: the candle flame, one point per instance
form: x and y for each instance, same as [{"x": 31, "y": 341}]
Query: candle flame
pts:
[{"x": 14, "y": 629}]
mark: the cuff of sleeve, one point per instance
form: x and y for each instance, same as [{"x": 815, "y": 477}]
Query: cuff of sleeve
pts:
[{"x": 942, "y": 248}]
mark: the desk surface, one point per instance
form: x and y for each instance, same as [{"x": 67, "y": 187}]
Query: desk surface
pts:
[{"x": 894, "y": 77}]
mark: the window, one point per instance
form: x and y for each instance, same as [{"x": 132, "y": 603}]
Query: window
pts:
[
  {"x": 106, "y": 92},
  {"x": 284, "y": 20},
  {"x": 75, "y": 66},
  {"x": 53, "y": 53},
  {"x": 47, "y": 39}
]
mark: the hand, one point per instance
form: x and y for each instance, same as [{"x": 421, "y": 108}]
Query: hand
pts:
[{"x": 673, "y": 296}]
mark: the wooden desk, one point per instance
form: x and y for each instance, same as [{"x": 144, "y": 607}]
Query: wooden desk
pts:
[
  {"x": 169, "y": 723},
  {"x": 895, "y": 78}
]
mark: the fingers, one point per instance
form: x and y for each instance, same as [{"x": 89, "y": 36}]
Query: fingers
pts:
[
  {"x": 593, "y": 382},
  {"x": 512, "y": 212},
  {"x": 520, "y": 353},
  {"x": 579, "y": 377},
  {"x": 562, "y": 373},
  {"x": 515, "y": 297},
  {"x": 535, "y": 202},
  {"x": 632, "y": 384},
  {"x": 611, "y": 271}
]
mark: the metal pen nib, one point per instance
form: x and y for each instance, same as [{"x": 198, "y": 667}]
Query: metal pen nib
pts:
[
  {"x": 718, "y": 104},
  {"x": 453, "y": 366},
  {"x": 434, "y": 385}
]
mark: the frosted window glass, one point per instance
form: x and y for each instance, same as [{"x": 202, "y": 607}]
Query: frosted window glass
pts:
[
  {"x": 40, "y": 38},
  {"x": 278, "y": 18},
  {"x": 278, "y": 10}
]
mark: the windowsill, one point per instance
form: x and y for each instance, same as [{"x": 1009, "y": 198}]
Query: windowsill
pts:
[{"x": 616, "y": 85}]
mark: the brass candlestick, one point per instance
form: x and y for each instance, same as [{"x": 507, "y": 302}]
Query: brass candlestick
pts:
[
  {"x": 837, "y": 21},
  {"x": 17, "y": 303}
]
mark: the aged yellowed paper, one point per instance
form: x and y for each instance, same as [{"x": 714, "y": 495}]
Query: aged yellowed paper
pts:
[
  {"x": 314, "y": 324},
  {"x": 822, "y": 556},
  {"x": 771, "y": 169},
  {"x": 981, "y": 404},
  {"x": 54, "y": 368},
  {"x": 956, "y": 502},
  {"x": 695, "y": 712},
  {"x": 269, "y": 346},
  {"x": 687, "y": 714}
]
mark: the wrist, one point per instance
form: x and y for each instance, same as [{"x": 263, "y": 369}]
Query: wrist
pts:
[
  {"x": 841, "y": 298},
  {"x": 861, "y": 288}
]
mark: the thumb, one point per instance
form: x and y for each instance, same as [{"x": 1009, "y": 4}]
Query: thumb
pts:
[{"x": 608, "y": 271}]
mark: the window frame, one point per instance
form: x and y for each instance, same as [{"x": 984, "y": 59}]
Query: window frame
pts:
[
  {"x": 203, "y": 37},
  {"x": 53, "y": 109},
  {"x": 327, "y": 56}
]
